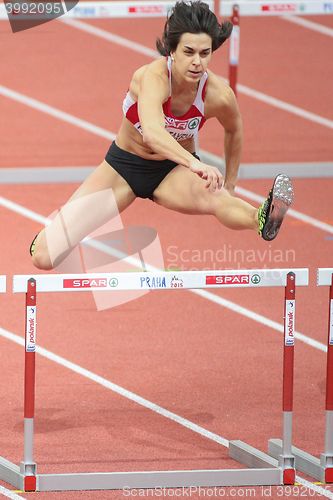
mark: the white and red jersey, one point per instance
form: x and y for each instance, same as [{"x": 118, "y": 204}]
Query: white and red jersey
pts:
[{"x": 180, "y": 127}]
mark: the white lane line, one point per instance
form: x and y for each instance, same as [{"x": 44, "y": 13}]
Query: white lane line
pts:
[
  {"x": 25, "y": 212},
  {"x": 259, "y": 318},
  {"x": 217, "y": 299},
  {"x": 111, "y": 37},
  {"x": 314, "y": 487},
  {"x": 188, "y": 424},
  {"x": 285, "y": 106},
  {"x": 311, "y": 25},
  {"x": 118, "y": 389},
  {"x": 9, "y": 494},
  {"x": 255, "y": 94},
  {"x": 56, "y": 113}
]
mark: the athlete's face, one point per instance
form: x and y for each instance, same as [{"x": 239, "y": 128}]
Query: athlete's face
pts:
[{"x": 192, "y": 55}]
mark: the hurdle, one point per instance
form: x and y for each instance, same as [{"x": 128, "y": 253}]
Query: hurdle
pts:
[
  {"x": 245, "y": 8},
  {"x": 318, "y": 468},
  {"x": 264, "y": 470}
]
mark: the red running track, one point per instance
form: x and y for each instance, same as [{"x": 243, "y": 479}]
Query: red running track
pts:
[{"x": 222, "y": 370}]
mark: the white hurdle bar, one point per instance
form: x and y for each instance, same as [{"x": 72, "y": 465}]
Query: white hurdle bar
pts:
[
  {"x": 264, "y": 470},
  {"x": 2, "y": 284},
  {"x": 241, "y": 278},
  {"x": 318, "y": 468},
  {"x": 276, "y": 7}
]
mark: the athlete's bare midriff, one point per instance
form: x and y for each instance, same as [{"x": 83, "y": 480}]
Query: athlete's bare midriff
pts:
[{"x": 129, "y": 139}]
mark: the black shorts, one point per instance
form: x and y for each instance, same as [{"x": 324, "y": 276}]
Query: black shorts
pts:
[{"x": 143, "y": 176}]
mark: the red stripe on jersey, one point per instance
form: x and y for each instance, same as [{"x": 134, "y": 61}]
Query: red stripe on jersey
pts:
[{"x": 132, "y": 114}]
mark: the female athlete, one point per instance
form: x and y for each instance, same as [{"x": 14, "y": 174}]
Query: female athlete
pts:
[{"x": 154, "y": 157}]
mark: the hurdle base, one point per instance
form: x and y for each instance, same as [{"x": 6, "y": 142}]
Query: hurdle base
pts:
[
  {"x": 305, "y": 462},
  {"x": 252, "y": 457},
  {"x": 263, "y": 476},
  {"x": 11, "y": 474},
  {"x": 158, "y": 479}
]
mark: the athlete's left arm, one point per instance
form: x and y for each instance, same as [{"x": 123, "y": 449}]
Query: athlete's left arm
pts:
[{"x": 223, "y": 101}]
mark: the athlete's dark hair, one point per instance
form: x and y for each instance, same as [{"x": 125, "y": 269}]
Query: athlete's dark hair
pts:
[{"x": 192, "y": 17}]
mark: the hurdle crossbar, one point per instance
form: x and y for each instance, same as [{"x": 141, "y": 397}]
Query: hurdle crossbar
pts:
[
  {"x": 263, "y": 469},
  {"x": 318, "y": 468},
  {"x": 2, "y": 284},
  {"x": 276, "y": 7},
  {"x": 160, "y": 280}
]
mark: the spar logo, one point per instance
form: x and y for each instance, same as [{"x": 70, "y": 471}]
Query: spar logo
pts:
[
  {"x": 182, "y": 124},
  {"x": 177, "y": 124},
  {"x": 228, "y": 279},
  {"x": 280, "y": 7},
  {"x": 113, "y": 282},
  {"x": 90, "y": 283},
  {"x": 152, "y": 282},
  {"x": 193, "y": 123},
  {"x": 31, "y": 329},
  {"x": 255, "y": 279}
]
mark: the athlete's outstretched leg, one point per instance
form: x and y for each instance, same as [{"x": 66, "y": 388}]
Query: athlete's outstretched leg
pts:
[
  {"x": 183, "y": 191},
  {"x": 102, "y": 196}
]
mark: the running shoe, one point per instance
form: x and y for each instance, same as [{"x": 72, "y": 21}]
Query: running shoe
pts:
[{"x": 274, "y": 208}]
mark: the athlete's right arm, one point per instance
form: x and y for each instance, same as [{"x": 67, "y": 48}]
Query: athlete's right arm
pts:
[{"x": 153, "y": 91}]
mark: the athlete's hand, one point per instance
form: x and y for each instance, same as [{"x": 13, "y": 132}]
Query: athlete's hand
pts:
[{"x": 212, "y": 175}]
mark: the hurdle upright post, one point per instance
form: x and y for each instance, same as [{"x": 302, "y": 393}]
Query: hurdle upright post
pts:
[
  {"x": 245, "y": 453},
  {"x": 326, "y": 458},
  {"x": 286, "y": 459},
  {"x": 28, "y": 466},
  {"x": 234, "y": 49},
  {"x": 318, "y": 468}
]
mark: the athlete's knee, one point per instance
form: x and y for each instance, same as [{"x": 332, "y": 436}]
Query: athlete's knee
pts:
[
  {"x": 41, "y": 260},
  {"x": 211, "y": 202},
  {"x": 39, "y": 255}
]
